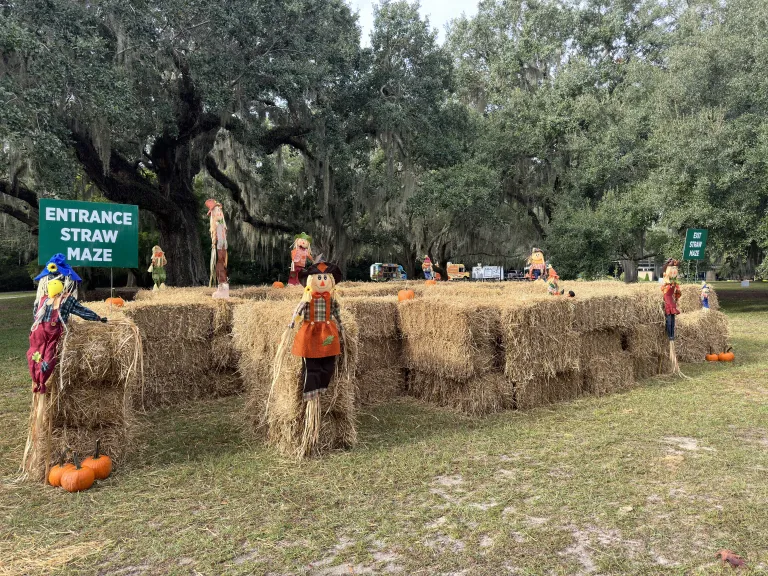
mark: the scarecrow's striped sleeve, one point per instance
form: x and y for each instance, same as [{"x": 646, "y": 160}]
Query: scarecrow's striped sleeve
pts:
[{"x": 72, "y": 306}]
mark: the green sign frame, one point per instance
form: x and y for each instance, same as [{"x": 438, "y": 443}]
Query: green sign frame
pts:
[
  {"x": 89, "y": 234},
  {"x": 695, "y": 244}
]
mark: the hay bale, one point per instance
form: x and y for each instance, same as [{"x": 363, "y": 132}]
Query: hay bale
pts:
[
  {"x": 484, "y": 394},
  {"x": 603, "y": 312},
  {"x": 453, "y": 338},
  {"x": 250, "y": 293},
  {"x": 547, "y": 389},
  {"x": 376, "y": 317},
  {"x": 690, "y": 299},
  {"x": 698, "y": 333},
  {"x": 100, "y": 367},
  {"x": 609, "y": 373},
  {"x": 258, "y": 329},
  {"x": 538, "y": 339},
  {"x": 647, "y": 345},
  {"x": 380, "y": 373}
]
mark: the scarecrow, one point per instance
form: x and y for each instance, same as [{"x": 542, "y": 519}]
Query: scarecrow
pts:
[
  {"x": 536, "y": 263},
  {"x": 51, "y": 318},
  {"x": 157, "y": 268},
  {"x": 553, "y": 288},
  {"x": 300, "y": 255},
  {"x": 55, "y": 269},
  {"x": 671, "y": 293},
  {"x": 317, "y": 342},
  {"x": 705, "y": 288},
  {"x": 218, "y": 230},
  {"x": 426, "y": 267}
]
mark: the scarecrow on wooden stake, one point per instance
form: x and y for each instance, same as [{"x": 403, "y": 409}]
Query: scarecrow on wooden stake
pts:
[
  {"x": 671, "y": 292},
  {"x": 219, "y": 258},
  {"x": 426, "y": 267},
  {"x": 301, "y": 254},
  {"x": 157, "y": 268},
  {"x": 537, "y": 264},
  {"x": 704, "y": 296}
]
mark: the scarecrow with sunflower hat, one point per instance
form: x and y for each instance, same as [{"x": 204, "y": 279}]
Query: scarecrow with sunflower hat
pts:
[
  {"x": 301, "y": 254},
  {"x": 219, "y": 259},
  {"x": 52, "y": 311}
]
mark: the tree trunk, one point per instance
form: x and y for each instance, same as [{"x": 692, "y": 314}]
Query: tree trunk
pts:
[
  {"x": 630, "y": 270},
  {"x": 180, "y": 239}
]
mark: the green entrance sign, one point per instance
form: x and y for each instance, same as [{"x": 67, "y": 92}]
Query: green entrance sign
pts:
[
  {"x": 92, "y": 234},
  {"x": 695, "y": 244}
]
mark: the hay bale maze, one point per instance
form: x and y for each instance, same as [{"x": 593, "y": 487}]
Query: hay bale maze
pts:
[{"x": 476, "y": 348}]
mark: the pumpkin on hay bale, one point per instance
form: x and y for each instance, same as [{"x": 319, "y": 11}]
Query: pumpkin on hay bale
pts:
[
  {"x": 278, "y": 285},
  {"x": 279, "y": 412}
]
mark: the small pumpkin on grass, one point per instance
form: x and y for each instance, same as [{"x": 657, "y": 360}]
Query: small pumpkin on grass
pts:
[
  {"x": 101, "y": 464},
  {"x": 278, "y": 285},
  {"x": 116, "y": 301},
  {"x": 405, "y": 295},
  {"x": 78, "y": 478},
  {"x": 712, "y": 356},
  {"x": 54, "y": 476},
  {"x": 727, "y": 356}
]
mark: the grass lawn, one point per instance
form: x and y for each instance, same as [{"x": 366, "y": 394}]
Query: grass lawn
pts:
[{"x": 652, "y": 481}]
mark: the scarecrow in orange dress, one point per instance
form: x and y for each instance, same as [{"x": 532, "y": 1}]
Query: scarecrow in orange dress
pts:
[
  {"x": 300, "y": 255},
  {"x": 318, "y": 343},
  {"x": 671, "y": 292},
  {"x": 219, "y": 259}
]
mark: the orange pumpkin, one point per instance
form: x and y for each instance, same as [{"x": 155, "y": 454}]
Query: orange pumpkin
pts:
[
  {"x": 78, "y": 478},
  {"x": 278, "y": 285},
  {"x": 405, "y": 295},
  {"x": 101, "y": 464},
  {"x": 54, "y": 476},
  {"x": 726, "y": 356},
  {"x": 430, "y": 282},
  {"x": 712, "y": 357},
  {"x": 119, "y": 302}
]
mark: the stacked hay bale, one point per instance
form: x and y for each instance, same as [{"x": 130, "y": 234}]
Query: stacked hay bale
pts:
[
  {"x": 380, "y": 372},
  {"x": 700, "y": 333},
  {"x": 188, "y": 349},
  {"x": 453, "y": 354},
  {"x": 99, "y": 370},
  {"x": 541, "y": 349},
  {"x": 259, "y": 330}
]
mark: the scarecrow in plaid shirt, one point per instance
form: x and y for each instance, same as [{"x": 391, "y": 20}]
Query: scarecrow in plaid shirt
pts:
[
  {"x": 51, "y": 316},
  {"x": 317, "y": 341}
]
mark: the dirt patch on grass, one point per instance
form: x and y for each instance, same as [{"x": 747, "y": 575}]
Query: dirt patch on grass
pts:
[{"x": 685, "y": 443}]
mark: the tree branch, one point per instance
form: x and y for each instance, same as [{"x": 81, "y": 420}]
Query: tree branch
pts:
[
  {"x": 19, "y": 191},
  {"x": 21, "y": 215},
  {"x": 237, "y": 196}
]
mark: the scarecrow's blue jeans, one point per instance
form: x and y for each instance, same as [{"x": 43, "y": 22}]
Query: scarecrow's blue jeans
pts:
[{"x": 671, "y": 326}]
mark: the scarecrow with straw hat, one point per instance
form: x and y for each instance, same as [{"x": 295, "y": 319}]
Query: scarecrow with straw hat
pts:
[
  {"x": 671, "y": 292},
  {"x": 704, "y": 296},
  {"x": 537, "y": 264},
  {"x": 301, "y": 254},
  {"x": 157, "y": 268},
  {"x": 219, "y": 259}
]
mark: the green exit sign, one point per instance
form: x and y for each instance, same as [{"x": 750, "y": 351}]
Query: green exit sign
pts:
[{"x": 695, "y": 244}]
